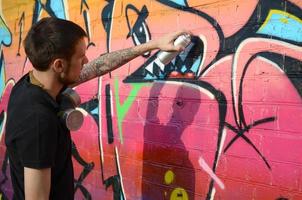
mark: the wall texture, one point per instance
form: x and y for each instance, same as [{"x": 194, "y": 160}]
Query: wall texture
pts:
[{"x": 221, "y": 121}]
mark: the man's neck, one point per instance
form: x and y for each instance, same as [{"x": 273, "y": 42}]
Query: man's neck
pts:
[{"x": 48, "y": 81}]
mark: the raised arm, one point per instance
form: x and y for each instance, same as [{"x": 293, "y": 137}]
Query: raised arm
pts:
[{"x": 107, "y": 62}]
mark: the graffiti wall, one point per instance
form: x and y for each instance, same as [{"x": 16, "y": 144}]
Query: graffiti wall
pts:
[{"x": 220, "y": 121}]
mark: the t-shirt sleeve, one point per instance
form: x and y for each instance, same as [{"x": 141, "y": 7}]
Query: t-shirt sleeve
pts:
[{"x": 37, "y": 143}]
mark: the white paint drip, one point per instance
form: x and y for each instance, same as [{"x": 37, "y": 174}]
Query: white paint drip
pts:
[
  {"x": 213, "y": 194},
  {"x": 209, "y": 171},
  {"x": 222, "y": 142},
  {"x": 112, "y": 17},
  {"x": 111, "y": 103},
  {"x": 119, "y": 171},
  {"x": 100, "y": 120}
]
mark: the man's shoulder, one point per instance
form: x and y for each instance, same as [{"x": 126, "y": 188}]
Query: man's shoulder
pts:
[
  {"x": 23, "y": 86},
  {"x": 26, "y": 94}
]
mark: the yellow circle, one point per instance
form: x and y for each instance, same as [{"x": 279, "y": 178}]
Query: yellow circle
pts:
[
  {"x": 169, "y": 177},
  {"x": 179, "y": 194}
]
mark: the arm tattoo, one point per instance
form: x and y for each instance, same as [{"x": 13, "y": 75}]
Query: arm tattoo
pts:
[
  {"x": 107, "y": 62},
  {"x": 111, "y": 61}
]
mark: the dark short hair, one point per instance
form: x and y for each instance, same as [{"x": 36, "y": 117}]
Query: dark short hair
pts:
[{"x": 51, "y": 38}]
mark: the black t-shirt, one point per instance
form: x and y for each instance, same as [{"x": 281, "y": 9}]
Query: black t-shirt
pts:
[{"x": 35, "y": 138}]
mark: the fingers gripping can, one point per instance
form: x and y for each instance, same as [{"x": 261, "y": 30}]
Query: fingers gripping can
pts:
[{"x": 166, "y": 57}]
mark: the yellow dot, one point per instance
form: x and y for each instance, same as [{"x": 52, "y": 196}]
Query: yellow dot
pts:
[
  {"x": 284, "y": 20},
  {"x": 169, "y": 177},
  {"x": 179, "y": 194}
]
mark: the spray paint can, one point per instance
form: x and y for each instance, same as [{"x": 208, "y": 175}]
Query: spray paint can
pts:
[
  {"x": 166, "y": 57},
  {"x": 73, "y": 96},
  {"x": 69, "y": 115},
  {"x": 73, "y": 119}
]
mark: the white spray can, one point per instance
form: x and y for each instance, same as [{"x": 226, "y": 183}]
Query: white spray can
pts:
[{"x": 166, "y": 57}]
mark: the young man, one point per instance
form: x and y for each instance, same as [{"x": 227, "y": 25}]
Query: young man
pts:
[{"x": 38, "y": 145}]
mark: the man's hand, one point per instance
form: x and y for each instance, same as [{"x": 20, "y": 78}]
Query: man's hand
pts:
[{"x": 166, "y": 43}]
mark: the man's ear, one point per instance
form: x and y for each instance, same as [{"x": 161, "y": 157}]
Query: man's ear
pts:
[{"x": 59, "y": 65}]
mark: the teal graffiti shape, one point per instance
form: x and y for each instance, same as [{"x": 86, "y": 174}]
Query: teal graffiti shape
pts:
[
  {"x": 55, "y": 8},
  {"x": 283, "y": 25},
  {"x": 2, "y": 75},
  {"x": 179, "y": 2},
  {"x": 5, "y": 34},
  {"x": 58, "y": 7}
]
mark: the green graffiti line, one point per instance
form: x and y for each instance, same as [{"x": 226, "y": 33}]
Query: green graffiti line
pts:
[{"x": 122, "y": 109}]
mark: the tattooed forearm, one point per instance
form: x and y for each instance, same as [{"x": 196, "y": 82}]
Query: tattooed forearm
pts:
[
  {"x": 111, "y": 61},
  {"x": 107, "y": 62},
  {"x": 87, "y": 73}
]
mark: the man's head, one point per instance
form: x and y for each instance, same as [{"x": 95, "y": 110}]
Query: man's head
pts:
[{"x": 50, "y": 39}]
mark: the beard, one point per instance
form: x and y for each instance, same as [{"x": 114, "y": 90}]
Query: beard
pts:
[{"x": 65, "y": 78}]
